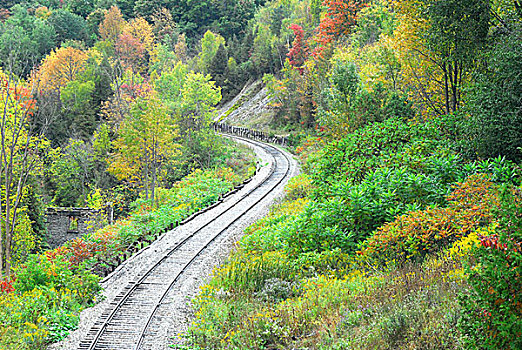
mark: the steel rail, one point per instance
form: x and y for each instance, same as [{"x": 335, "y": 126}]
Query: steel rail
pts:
[
  {"x": 129, "y": 291},
  {"x": 163, "y": 297}
]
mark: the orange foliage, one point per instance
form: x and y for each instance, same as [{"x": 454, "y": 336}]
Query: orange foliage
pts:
[
  {"x": 60, "y": 67},
  {"x": 17, "y": 93},
  {"x": 6, "y": 285},
  {"x": 42, "y": 12},
  {"x": 418, "y": 233},
  {"x": 340, "y": 17},
  {"x": 299, "y": 51}
]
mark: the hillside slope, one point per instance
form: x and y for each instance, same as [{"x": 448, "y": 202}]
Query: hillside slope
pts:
[{"x": 250, "y": 108}]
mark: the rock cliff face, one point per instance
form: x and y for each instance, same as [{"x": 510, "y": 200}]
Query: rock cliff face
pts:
[{"x": 250, "y": 108}]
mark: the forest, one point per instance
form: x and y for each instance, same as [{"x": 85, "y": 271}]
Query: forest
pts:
[{"x": 403, "y": 230}]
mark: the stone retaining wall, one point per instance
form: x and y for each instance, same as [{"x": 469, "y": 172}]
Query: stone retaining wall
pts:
[{"x": 65, "y": 224}]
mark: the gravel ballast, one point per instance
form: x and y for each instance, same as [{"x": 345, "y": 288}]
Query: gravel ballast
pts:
[{"x": 174, "y": 315}]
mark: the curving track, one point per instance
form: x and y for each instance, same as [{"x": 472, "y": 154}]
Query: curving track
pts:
[{"x": 135, "y": 318}]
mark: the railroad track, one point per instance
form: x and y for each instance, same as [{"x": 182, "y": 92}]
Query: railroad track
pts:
[{"x": 132, "y": 319}]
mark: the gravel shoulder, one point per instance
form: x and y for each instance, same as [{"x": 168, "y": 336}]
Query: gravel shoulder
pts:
[{"x": 177, "y": 312}]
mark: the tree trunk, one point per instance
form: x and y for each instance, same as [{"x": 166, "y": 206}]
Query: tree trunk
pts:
[
  {"x": 154, "y": 165},
  {"x": 8, "y": 234},
  {"x": 446, "y": 88}
]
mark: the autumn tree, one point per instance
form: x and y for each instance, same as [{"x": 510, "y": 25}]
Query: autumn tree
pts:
[
  {"x": 112, "y": 25},
  {"x": 60, "y": 67},
  {"x": 299, "y": 51},
  {"x": 130, "y": 51},
  {"x": 21, "y": 147},
  {"x": 338, "y": 21},
  {"x": 457, "y": 31},
  {"x": 141, "y": 30},
  {"x": 436, "y": 44},
  {"x": 145, "y": 143}
]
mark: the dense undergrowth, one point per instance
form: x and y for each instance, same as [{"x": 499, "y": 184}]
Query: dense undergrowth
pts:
[
  {"x": 389, "y": 240},
  {"x": 40, "y": 303},
  {"x": 404, "y": 232}
]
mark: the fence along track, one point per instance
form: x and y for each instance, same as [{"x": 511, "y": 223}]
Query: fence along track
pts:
[
  {"x": 123, "y": 325},
  {"x": 250, "y": 134}
]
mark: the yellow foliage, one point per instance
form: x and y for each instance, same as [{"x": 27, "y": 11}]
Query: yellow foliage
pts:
[
  {"x": 141, "y": 30},
  {"x": 112, "y": 25},
  {"x": 60, "y": 67}
]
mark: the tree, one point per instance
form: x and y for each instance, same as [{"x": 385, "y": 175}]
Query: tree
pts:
[
  {"x": 169, "y": 87},
  {"x": 68, "y": 26},
  {"x": 232, "y": 16},
  {"x": 112, "y": 25},
  {"x": 437, "y": 43},
  {"x": 315, "y": 9},
  {"x": 21, "y": 147},
  {"x": 458, "y": 30},
  {"x": 338, "y": 21},
  {"x": 71, "y": 174},
  {"x": 94, "y": 20},
  {"x": 209, "y": 47},
  {"x": 141, "y": 30},
  {"x": 200, "y": 95},
  {"x": 81, "y": 7},
  {"x": 218, "y": 67},
  {"x": 264, "y": 52},
  {"x": 164, "y": 27},
  {"x": 25, "y": 38},
  {"x": 17, "y": 50},
  {"x": 299, "y": 51},
  {"x": 126, "y": 7},
  {"x": 146, "y": 8},
  {"x": 494, "y": 101},
  {"x": 60, "y": 67},
  {"x": 145, "y": 142},
  {"x": 130, "y": 51},
  {"x": 78, "y": 109},
  {"x": 180, "y": 49}
]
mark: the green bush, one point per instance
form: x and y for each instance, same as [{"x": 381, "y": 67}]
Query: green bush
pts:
[
  {"x": 346, "y": 219},
  {"x": 389, "y": 144}
]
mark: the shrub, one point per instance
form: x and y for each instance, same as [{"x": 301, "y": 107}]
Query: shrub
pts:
[
  {"x": 268, "y": 233},
  {"x": 276, "y": 289},
  {"x": 47, "y": 271},
  {"x": 418, "y": 233},
  {"x": 392, "y": 143},
  {"x": 343, "y": 221},
  {"x": 492, "y": 317},
  {"x": 246, "y": 274},
  {"x": 299, "y": 186}
]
